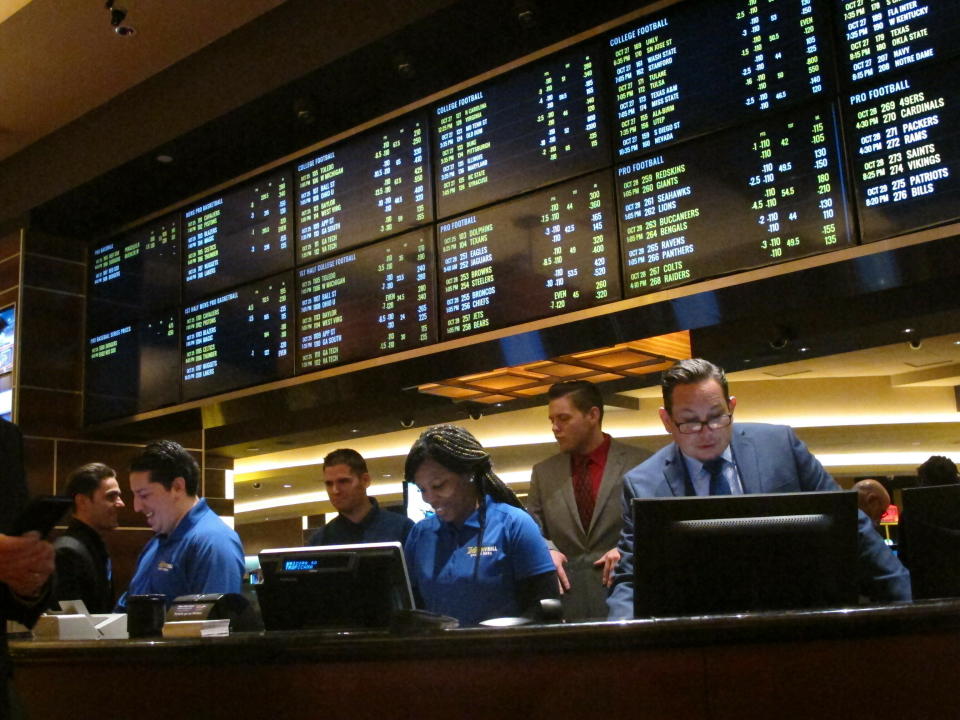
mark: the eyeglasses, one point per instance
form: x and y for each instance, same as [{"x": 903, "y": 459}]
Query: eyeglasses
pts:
[{"x": 695, "y": 426}]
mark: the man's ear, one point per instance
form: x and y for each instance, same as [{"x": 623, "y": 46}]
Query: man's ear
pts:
[
  {"x": 731, "y": 403},
  {"x": 81, "y": 502},
  {"x": 666, "y": 420},
  {"x": 179, "y": 484},
  {"x": 365, "y": 480}
]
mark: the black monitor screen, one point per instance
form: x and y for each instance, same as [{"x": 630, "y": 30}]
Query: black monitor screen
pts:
[
  {"x": 906, "y": 151},
  {"x": 732, "y": 554},
  {"x": 370, "y": 302},
  {"x": 549, "y": 252},
  {"x": 135, "y": 272},
  {"x": 132, "y": 368},
  {"x": 522, "y": 131},
  {"x": 884, "y": 37},
  {"x": 241, "y": 235},
  {"x": 368, "y": 187},
  {"x": 930, "y": 540},
  {"x": 238, "y": 338},
  {"x": 701, "y": 65},
  {"x": 741, "y": 198},
  {"x": 333, "y": 586}
]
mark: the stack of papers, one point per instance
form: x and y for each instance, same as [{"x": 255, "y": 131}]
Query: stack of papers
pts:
[{"x": 196, "y": 628}]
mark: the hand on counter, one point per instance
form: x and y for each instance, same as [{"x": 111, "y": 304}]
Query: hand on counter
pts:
[{"x": 26, "y": 563}]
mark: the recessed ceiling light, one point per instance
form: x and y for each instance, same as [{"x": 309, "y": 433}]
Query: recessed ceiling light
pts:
[
  {"x": 253, "y": 449},
  {"x": 387, "y": 475},
  {"x": 804, "y": 349},
  {"x": 355, "y": 430},
  {"x": 164, "y": 159},
  {"x": 908, "y": 330},
  {"x": 287, "y": 485}
]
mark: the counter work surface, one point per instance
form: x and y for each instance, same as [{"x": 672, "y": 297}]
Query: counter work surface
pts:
[
  {"x": 842, "y": 662},
  {"x": 863, "y": 621}
]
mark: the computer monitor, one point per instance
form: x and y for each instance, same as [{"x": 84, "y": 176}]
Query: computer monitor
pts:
[
  {"x": 333, "y": 586},
  {"x": 930, "y": 540},
  {"x": 732, "y": 554}
]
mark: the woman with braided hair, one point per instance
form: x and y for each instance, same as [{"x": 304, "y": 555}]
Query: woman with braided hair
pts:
[{"x": 481, "y": 555}]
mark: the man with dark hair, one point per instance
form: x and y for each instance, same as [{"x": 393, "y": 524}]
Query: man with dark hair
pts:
[
  {"x": 83, "y": 563},
  {"x": 938, "y": 470},
  {"x": 360, "y": 520},
  {"x": 710, "y": 455},
  {"x": 193, "y": 551},
  {"x": 575, "y": 496}
]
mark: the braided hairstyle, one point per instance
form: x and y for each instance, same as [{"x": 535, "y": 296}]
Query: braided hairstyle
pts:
[{"x": 459, "y": 451}]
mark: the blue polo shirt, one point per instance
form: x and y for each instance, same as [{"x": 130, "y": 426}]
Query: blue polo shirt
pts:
[
  {"x": 441, "y": 560},
  {"x": 202, "y": 555}
]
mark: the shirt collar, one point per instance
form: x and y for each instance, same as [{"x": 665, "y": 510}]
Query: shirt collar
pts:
[
  {"x": 187, "y": 521},
  {"x": 368, "y": 519},
  {"x": 695, "y": 466},
  {"x": 598, "y": 455}
]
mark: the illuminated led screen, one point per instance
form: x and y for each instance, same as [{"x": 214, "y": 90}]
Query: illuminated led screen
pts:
[
  {"x": 366, "y": 188},
  {"x": 905, "y": 136},
  {"x": 238, "y": 338},
  {"x": 372, "y": 301},
  {"x": 138, "y": 271},
  {"x": 132, "y": 368},
  {"x": 741, "y": 198},
  {"x": 525, "y": 130},
  {"x": 886, "y": 37},
  {"x": 543, "y": 254},
  {"x": 238, "y": 236},
  {"x": 701, "y": 65}
]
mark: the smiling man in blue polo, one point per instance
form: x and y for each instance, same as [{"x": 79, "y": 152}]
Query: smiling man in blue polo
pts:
[{"x": 193, "y": 551}]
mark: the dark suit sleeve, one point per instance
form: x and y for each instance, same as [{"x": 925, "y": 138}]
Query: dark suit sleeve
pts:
[
  {"x": 881, "y": 576},
  {"x": 620, "y": 601}
]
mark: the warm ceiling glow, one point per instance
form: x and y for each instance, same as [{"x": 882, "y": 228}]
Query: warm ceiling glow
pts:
[{"x": 630, "y": 359}]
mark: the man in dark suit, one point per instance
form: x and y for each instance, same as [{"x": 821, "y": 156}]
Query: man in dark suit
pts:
[
  {"x": 710, "y": 455},
  {"x": 83, "y": 563},
  {"x": 26, "y": 562},
  {"x": 575, "y": 496}
]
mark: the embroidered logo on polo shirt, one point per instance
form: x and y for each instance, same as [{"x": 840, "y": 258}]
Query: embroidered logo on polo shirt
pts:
[
  {"x": 164, "y": 566},
  {"x": 485, "y": 551}
]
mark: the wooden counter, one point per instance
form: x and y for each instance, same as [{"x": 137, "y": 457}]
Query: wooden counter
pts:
[{"x": 896, "y": 661}]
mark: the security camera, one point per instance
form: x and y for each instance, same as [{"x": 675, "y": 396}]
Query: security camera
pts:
[
  {"x": 915, "y": 344},
  {"x": 257, "y": 486},
  {"x": 778, "y": 343},
  {"x": 117, "y": 16},
  {"x": 406, "y": 422},
  {"x": 476, "y": 414}
]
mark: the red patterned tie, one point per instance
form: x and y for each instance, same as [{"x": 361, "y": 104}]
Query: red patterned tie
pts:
[{"x": 583, "y": 490}]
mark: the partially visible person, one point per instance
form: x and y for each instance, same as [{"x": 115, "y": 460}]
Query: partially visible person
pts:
[
  {"x": 26, "y": 562},
  {"x": 872, "y": 498},
  {"x": 575, "y": 496},
  {"x": 712, "y": 455},
  {"x": 938, "y": 470},
  {"x": 481, "y": 555},
  {"x": 83, "y": 564},
  {"x": 193, "y": 551},
  {"x": 360, "y": 518}
]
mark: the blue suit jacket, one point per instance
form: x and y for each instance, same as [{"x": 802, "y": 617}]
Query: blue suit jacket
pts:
[{"x": 770, "y": 459}]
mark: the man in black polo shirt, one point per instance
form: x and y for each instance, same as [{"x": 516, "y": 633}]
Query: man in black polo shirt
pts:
[{"x": 360, "y": 520}]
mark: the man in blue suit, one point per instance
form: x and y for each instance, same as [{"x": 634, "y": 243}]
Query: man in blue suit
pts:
[{"x": 710, "y": 455}]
